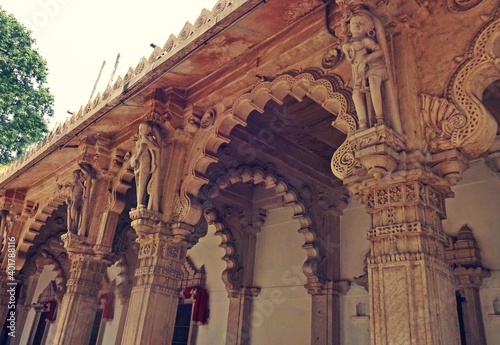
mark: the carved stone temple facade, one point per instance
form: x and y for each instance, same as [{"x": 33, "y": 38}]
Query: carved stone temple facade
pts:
[{"x": 281, "y": 172}]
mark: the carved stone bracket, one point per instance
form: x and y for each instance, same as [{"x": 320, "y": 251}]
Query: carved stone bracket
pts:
[
  {"x": 144, "y": 221},
  {"x": 449, "y": 165},
  {"x": 377, "y": 149},
  {"x": 76, "y": 244}
]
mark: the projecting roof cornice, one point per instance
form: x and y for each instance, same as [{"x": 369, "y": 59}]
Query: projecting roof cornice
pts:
[{"x": 182, "y": 62}]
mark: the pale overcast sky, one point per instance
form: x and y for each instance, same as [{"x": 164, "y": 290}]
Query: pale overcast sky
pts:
[{"x": 76, "y": 36}]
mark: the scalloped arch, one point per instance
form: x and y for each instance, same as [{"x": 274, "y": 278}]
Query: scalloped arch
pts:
[
  {"x": 288, "y": 197},
  {"x": 467, "y": 86},
  {"x": 326, "y": 90}
]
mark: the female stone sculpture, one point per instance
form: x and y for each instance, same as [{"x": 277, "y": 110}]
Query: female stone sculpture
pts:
[
  {"x": 145, "y": 163},
  {"x": 368, "y": 67},
  {"x": 75, "y": 201}
]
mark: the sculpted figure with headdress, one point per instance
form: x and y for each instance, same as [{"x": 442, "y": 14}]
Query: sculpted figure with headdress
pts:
[
  {"x": 369, "y": 69},
  {"x": 145, "y": 161}
]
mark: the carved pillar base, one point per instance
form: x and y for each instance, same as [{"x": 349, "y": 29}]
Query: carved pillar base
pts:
[
  {"x": 77, "y": 311},
  {"x": 240, "y": 316},
  {"x": 155, "y": 295}
]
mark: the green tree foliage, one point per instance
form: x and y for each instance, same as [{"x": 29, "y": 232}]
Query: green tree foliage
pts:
[{"x": 25, "y": 100}]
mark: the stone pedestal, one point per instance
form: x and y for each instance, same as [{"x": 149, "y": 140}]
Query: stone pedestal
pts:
[
  {"x": 240, "y": 316},
  {"x": 77, "y": 310},
  {"x": 155, "y": 295}
]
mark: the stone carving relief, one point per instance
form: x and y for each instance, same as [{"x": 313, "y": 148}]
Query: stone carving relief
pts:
[
  {"x": 146, "y": 161},
  {"x": 79, "y": 200},
  {"x": 443, "y": 121},
  {"x": 475, "y": 135},
  {"x": 122, "y": 182},
  {"x": 365, "y": 48},
  {"x": 6, "y": 223},
  {"x": 369, "y": 69},
  {"x": 331, "y": 58}
]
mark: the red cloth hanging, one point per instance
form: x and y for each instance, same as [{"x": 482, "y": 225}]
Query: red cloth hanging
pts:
[
  {"x": 51, "y": 308},
  {"x": 106, "y": 301},
  {"x": 200, "y": 309}
]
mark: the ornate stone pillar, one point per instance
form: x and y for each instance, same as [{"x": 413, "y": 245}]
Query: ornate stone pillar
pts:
[
  {"x": 326, "y": 208},
  {"x": 403, "y": 174},
  {"x": 77, "y": 310},
  {"x": 155, "y": 295},
  {"x": 411, "y": 286},
  {"x": 238, "y": 227},
  {"x": 239, "y": 319}
]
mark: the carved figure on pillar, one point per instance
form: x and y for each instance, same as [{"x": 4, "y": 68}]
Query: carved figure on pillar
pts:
[
  {"x": 145, "y": 161},
  {"x": 369, "y": 68},
  {"x": 78, "y": 199},
  {"x": 75, "y": 201},
  {"x": 6, "y": 223}
]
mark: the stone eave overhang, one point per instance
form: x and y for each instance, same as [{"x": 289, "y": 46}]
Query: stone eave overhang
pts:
[{"x": 137, "y": 81}]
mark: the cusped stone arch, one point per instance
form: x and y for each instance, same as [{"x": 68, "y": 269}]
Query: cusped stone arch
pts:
[
  {"x": 231, "y": 276},
  {"x": 474, "y": 132},
  {"x": 37, "y": 221},
  {"x": 44, "y": 256},
  {"x": 326, "y": 90},
  {"x": 285, "y": 196}
]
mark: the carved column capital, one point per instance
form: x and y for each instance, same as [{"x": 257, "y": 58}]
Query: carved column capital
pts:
[
  {"x": 376, "y": 152},
  {"x": 340, "y": 287},
  {"x": 160, "y": 262},
  {"x": 471, "y": 277},
  {"x": 145, "y": 221},
  {"x": 249, "y": 292},
  {"x": 86, "y": 273}
]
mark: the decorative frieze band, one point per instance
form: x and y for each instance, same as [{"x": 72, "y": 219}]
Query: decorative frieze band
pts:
[
  {"x": 406, "y": 228},
  {"x": 404, "y": 194},
  {"x": 404, "y": 257}
]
